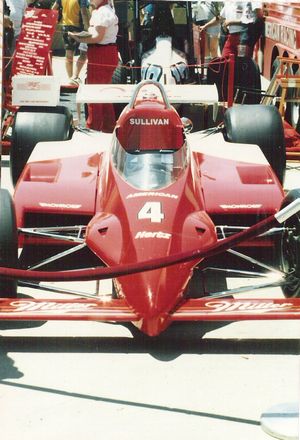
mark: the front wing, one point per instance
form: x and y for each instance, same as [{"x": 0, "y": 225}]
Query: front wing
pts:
[{"x": 117, "y": 310}]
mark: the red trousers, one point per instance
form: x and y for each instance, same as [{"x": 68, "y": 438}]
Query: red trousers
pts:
[
  {"x": 102, "y": 61},
  {"x": 231, "y": 45}
]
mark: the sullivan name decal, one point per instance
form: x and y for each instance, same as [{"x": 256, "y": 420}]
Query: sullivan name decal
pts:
[{"x": 149, "y": 121}]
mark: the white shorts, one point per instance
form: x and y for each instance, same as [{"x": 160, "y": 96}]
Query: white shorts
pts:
[{"x": 83, "y": 47}]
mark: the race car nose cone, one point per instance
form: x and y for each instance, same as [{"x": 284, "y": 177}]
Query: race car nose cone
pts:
[
  {"x": 154, "y": 326},
  {"x": 154, "y": 295}
]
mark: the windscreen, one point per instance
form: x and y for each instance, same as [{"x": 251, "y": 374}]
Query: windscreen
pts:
[{"x": 148, "y": 170}]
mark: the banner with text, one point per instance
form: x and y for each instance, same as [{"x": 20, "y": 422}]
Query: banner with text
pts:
[{"x": 34, "y": 43}]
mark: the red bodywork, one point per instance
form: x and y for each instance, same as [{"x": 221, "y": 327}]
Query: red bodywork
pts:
[{"x": 128, "y": 224}]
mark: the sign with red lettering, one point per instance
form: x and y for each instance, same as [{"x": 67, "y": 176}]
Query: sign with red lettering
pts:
[{"x": 34, "y": 43}]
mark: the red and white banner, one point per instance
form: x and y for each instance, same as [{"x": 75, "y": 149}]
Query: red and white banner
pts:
[{"x": 34, "y": 43}]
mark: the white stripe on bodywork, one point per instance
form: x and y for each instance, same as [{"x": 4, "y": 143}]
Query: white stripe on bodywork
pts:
[
  {"x": 80, "y": 144},
  {"x": 216, "y": 146}
]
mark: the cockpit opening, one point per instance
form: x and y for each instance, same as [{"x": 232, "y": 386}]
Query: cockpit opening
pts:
[{"x": 149, "y": 170}]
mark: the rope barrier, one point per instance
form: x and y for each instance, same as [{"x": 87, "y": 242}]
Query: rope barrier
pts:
[
  {"x": 98, "y": 273},
  {"x": 209, "y": 65}
]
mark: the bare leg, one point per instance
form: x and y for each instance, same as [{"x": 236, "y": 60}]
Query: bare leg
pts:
[
  {"x": 80, "y": 63},
  {"x": 213, "y": 46},
  {"x": 69, "y": 62}
]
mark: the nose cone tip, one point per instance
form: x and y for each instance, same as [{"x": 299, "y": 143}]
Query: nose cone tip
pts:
[{"x": 155, "y": 325}]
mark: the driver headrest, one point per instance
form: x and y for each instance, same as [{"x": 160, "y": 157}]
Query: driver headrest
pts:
[{"x": 150, "y": 126}]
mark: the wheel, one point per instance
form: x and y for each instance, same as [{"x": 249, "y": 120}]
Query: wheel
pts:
[
  {"x": 289, "y": 249},
  {"x": 33, "y": 125},
  {"x": 260, "y": 125},
  {"x": 8, "y": 243}
]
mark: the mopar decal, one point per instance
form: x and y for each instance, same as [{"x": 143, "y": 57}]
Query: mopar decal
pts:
[
  {"x": 60, "y": 205},
  {"x": 149, "y": 121},
  {"x": 242, "y": 206},
  {"x": 159, "y": 234}
]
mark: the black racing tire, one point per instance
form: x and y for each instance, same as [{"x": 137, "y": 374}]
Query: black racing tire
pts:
[
  {"x": 8, "y": 243},
  {"x": 33, "y": 125},
  {"x": 261, "y": 125},
  {"x": 289, "y": 249}
]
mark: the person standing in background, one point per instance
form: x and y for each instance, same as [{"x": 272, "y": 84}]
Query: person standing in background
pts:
[
  {"x": 121, "y": 8},
  {"x": 255, "y": 23},
  {"x": 75, "y": 18},
  {"x": 212, "y": 32},
  {"x": 231, "y": 18},
  {"x": 208, "y": 12},
  {"x": 102, "y": 59},
  {"x": 8, "y": 37},
  {"x": 148, "y": 14},
  {"x": 17, "y": 10},
  {"x": 241, "y": 24}
]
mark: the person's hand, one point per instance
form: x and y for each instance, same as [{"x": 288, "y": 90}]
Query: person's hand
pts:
[
  {"x": 201, "y": 28},
  {"x": 226, "y": 23},
  {"x": 75, "y": 37}
]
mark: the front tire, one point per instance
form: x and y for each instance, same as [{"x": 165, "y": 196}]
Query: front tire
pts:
[
  {"x": 8, "y": 243},
  {"x": 289, "y": 249},
  {"x": 260, "y": 125},
  {"x": 33, "y": 125}
]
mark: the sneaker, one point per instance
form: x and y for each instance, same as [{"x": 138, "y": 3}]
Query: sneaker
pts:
[{"x": 75, "y": 81}]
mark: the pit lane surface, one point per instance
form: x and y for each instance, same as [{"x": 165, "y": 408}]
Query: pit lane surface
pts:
[
  {"x": 89, "y": 379},
  {"x": 94, "y": 380}
]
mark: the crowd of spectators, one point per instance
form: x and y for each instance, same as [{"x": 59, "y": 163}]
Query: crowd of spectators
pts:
[
  {"x": 229, "y": 27},
  {"x": 233, "y": 26},
  {"x": 74, "y": 17}
]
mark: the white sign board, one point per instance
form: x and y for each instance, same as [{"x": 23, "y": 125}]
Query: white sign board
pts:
[{"x": 35, "y": 90}]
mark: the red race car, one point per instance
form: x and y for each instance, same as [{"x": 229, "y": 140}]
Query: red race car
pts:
[{"x": 152, "y": 206}]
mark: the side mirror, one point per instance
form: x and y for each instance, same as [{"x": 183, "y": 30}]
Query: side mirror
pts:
[{"x": 187, "y": 124}]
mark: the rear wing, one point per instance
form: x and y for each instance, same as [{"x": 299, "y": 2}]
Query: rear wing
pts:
[
  {"x": 44, "y": 90},
  {"x": 122, "y": 93}
]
